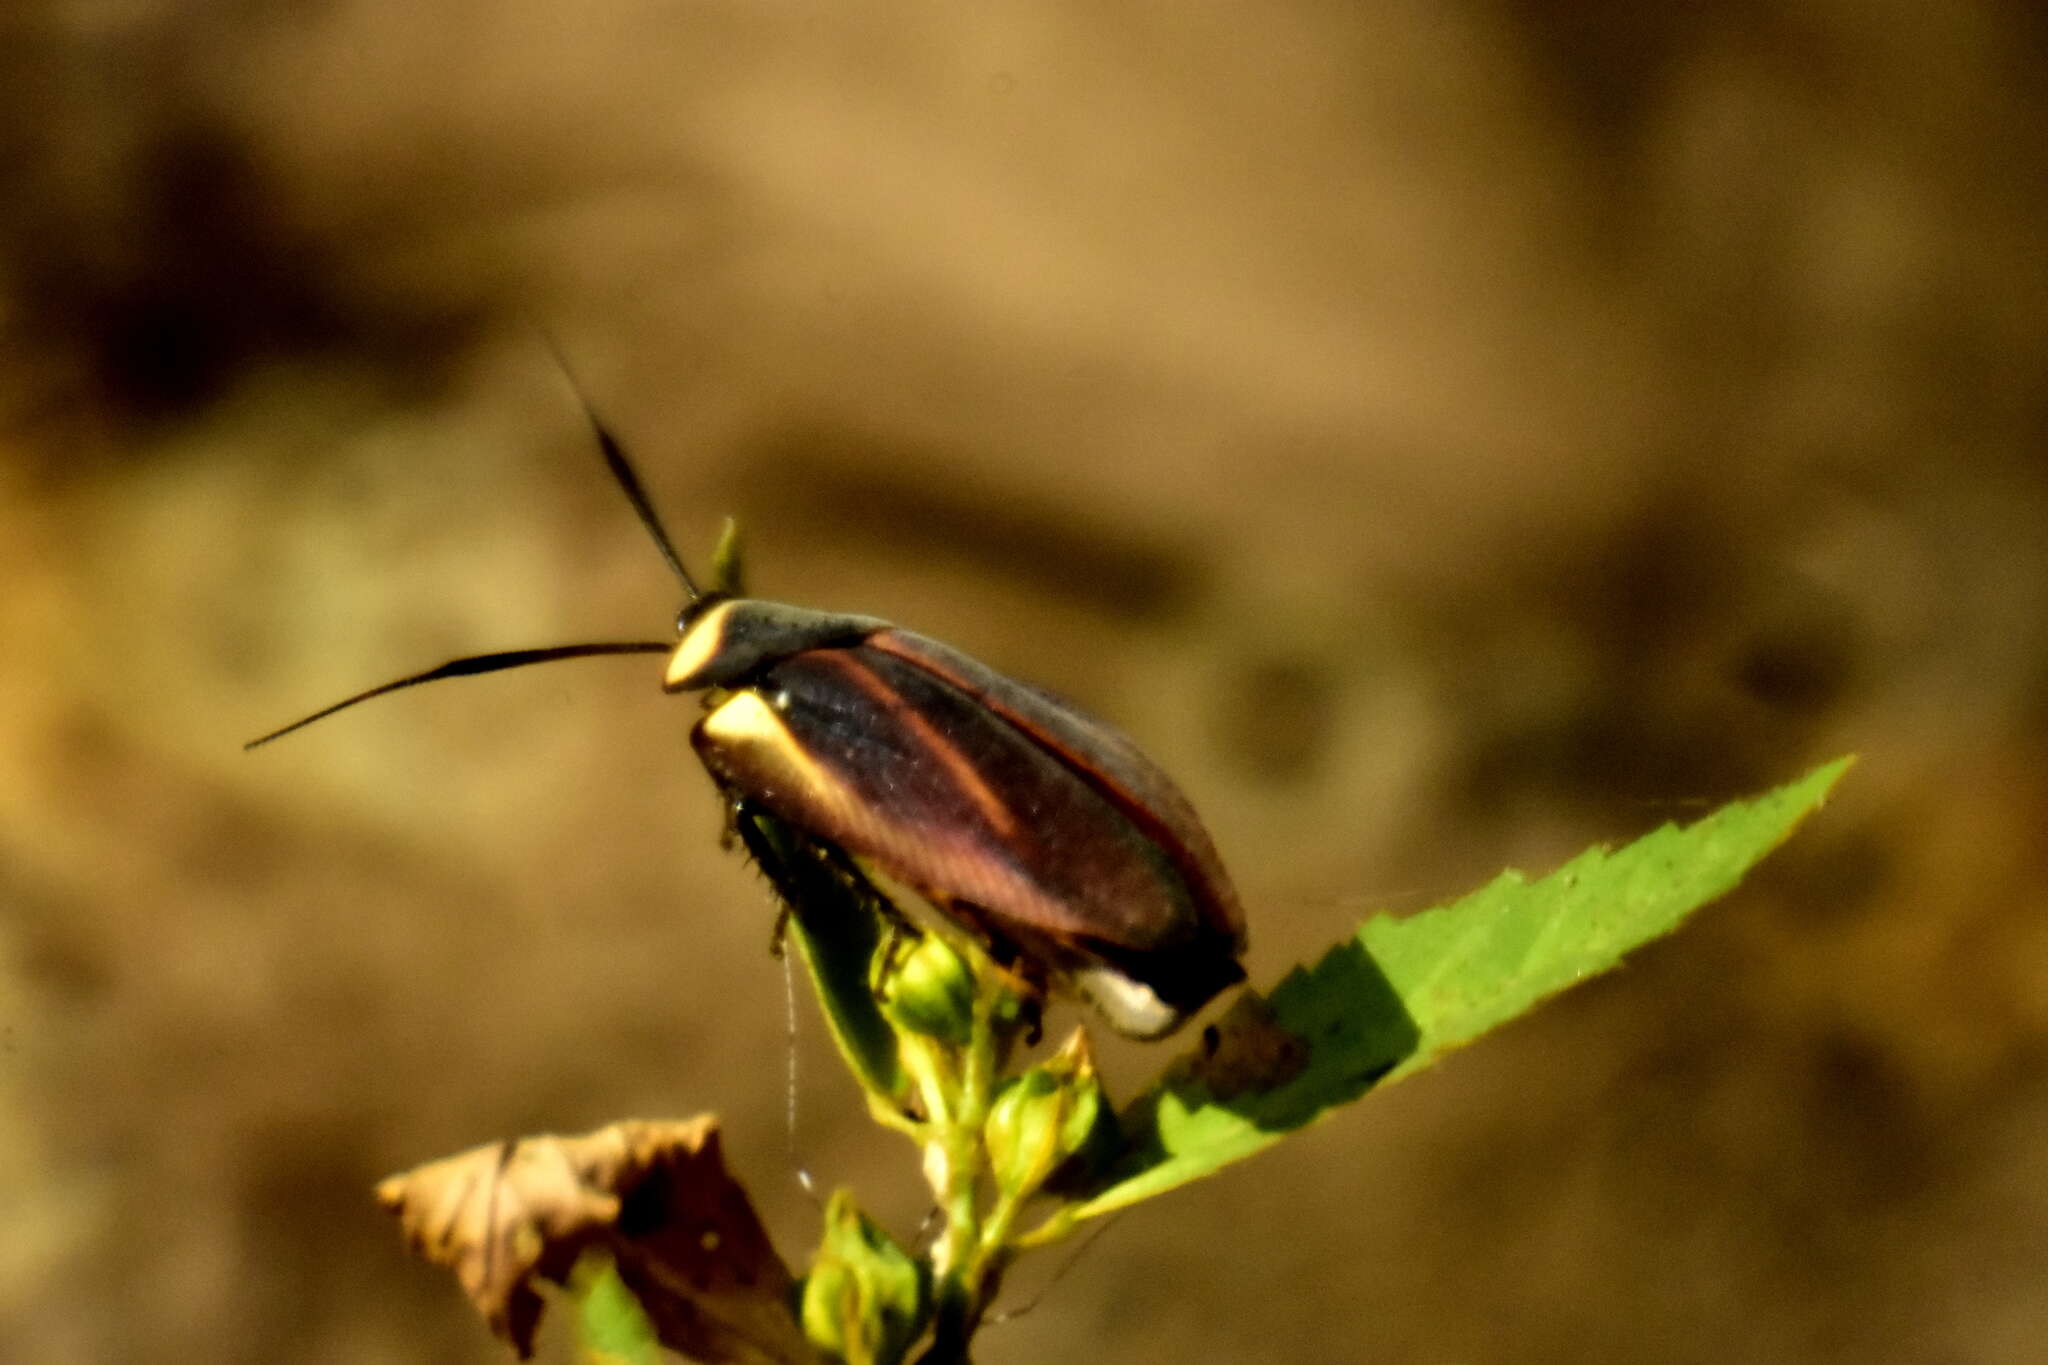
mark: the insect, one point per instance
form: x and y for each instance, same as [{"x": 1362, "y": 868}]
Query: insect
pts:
[{"x": 1042, "y": 831}]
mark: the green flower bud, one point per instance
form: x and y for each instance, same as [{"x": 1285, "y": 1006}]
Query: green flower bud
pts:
[
  {"x": 865, "y": 1300},
  {"x": 930, "y": 990},
  {"x": 1046, "y": 1116}
]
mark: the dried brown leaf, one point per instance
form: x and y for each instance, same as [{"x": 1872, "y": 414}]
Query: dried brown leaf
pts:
[{"x": 656, "y": 1195}]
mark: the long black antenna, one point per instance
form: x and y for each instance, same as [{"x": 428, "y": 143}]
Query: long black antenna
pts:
[
  {"x": 624, "y": 474},
  {"x": 628, "y": 480},
  {"x": 474, "y": 663}
]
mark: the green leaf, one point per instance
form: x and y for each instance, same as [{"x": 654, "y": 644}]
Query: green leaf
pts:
[
  {"x": 612, "y": 1327},
  {"x": 1401, "y": 993},
  {"x": 837, "y": 921},
  {"x": 727, "y": 576}
]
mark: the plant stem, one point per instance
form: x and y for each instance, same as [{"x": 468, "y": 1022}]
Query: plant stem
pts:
[{"x": 964, "y": 1266}]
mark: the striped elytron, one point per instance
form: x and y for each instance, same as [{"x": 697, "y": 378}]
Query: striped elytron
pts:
[{"x": 1040, "y": 830}]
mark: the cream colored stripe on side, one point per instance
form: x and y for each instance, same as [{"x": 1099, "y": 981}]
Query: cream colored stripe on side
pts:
[{"x": 745, "y": 723}]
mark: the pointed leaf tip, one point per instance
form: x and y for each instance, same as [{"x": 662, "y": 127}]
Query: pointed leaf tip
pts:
[{"x": 1401, "y": 993}]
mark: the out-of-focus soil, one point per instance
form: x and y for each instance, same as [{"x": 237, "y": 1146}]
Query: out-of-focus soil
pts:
[{"x": 1445, "y": 434}]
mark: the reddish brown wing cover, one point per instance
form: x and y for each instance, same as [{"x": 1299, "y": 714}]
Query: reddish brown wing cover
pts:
[
  {"x": 950, "y": 797},
  {"x": 1100, "y": 755}
]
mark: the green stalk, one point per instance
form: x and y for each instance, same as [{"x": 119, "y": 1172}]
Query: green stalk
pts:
[{"x": 955, "y": 1164}]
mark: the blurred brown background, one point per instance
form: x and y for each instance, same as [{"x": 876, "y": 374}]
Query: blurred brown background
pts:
[{"x": 1445, "y": 434}]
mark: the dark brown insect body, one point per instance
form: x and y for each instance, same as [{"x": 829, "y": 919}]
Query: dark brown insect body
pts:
[
  {"x": 1038, "y": 827},
  {"x": 1043, "y": 831}
]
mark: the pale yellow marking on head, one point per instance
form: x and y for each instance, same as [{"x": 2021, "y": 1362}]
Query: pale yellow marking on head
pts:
[{"x": 698, "y": 647}]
